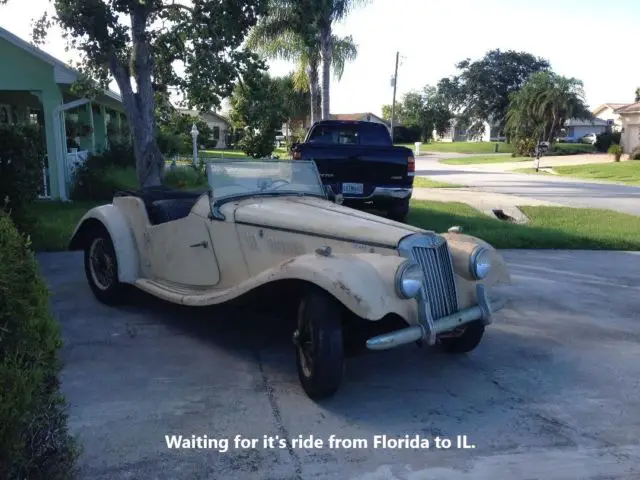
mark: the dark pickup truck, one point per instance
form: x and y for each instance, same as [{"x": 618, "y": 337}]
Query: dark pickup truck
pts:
[{"x": 358, "y": 160}]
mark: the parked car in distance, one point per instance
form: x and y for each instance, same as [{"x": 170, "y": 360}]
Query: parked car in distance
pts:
[
  {"x": 359, "y": 161},
  {"x": 354, "y": 279},
  {"x": 589, "y": 138}
]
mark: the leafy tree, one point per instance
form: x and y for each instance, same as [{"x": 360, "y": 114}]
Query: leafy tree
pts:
[
  {"x": 480, "y": 92},
  {"x": 542, "y": 106},
  {"x": 637, "y": 94},
  {"x": 178, "y": 125},
  {"x": 258, "y": 107},
  {"x": 142, "y": 41},
  {"x": 287, "y": 33},
  {"x": 423, "y": 111}
]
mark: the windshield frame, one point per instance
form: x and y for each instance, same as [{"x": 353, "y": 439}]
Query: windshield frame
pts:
[{"x": 216, "y": 203}]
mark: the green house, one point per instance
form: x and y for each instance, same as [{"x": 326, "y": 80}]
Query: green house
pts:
[{"x": 36, "y": 87}]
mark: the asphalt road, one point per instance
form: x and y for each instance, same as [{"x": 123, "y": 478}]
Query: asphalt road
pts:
[
  {"x": 562, "y": 190},
  {"x": 552, "y": 393}
]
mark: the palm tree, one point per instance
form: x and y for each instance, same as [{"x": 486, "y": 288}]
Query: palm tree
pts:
[
  {"x": 287, "y": 33},
  {"x": 328, "y": 12}
]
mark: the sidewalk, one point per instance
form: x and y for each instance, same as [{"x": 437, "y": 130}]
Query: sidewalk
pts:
[
  {"x": 485, "y": 202},
  {"x": 553, "y": 161}
]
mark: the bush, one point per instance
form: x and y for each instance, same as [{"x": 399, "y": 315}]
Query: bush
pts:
[
  {"x": 606, "y": 139},
  {"x": 616, "y": 151},
  {"x": 571, "y": 149},
  {"x": 118, "y": 155},
  {"x": 402, "y": 134},
  {"x": 257, "y": 145},
  {"x": 34, "y": 439},
  {"x": 635, "y": 155},
  {"x": 524, "y": 147},
  {"x": 186, "y": 177},
  {"x": 22, "y": 153}
]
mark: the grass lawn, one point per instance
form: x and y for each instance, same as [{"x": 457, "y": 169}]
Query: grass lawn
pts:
[
  {"x": 532, "y": 170},
  {"x": 483, "y": 159},
  {"x": 423, "y": 182},
  {"x": 624, "y": 172},
  {"x": 550, "y": 227},
  {"x": 461, "y": 147}
]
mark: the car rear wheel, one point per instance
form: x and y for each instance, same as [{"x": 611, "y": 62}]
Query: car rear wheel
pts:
[
  {"x": 101, "y": 267},
  {"x": 399, "y": 211},
  {"x": 466, "y": 342},
  {"x": 319, "y": 344}
]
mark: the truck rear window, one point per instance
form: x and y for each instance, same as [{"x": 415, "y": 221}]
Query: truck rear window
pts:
[{"x": 374, "y": 134}]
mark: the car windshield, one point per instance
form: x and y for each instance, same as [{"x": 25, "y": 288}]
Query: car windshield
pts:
[{"x": 244, "y": 178}]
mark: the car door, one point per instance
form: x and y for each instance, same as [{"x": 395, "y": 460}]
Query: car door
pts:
[{"x": 181, "y": 251}]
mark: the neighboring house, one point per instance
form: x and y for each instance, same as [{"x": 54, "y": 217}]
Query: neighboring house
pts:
[
  {"x": 458, "y": 134},
  {"x": 35, "y": 87},
  {"x": 220, "y": 125},
  {"x": 607, "y": 112},
  {"x": 630, "y": 117},
  {"x": 362, "y": 117},
  {"x": 574, "y": 129}
]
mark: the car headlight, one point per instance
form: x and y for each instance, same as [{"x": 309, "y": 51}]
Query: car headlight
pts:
[
  {"x": 480, "y": 264},
  {"x": 408, "y": 280}
]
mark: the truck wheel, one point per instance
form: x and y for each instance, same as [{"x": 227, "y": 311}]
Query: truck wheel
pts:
[
  {"x": 399, "y": 211},
  {"x": 101, "y": 268},
  {"x": 320, "y": 349},
  {"x": 466, "y": 342}
]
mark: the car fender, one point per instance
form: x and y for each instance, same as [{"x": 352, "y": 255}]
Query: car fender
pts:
[
  {"x": 461, "y": 247},
  {"x": 117, "y": 225},
  {"x": 363, "y": 283}
]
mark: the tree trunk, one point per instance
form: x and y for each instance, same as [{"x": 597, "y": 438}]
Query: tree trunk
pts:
[
  {"x": 314, "y": 91},
  {"x": 139, "y": 106},
  {"x": 326, "y": 53}
]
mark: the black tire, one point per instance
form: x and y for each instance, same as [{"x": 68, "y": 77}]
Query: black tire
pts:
[
  {"x": 466, "y": 342},
  {"x": 101, "y": 268},
  {"x": 319, "y": 344},
  {"x": 399, "y": 211}
]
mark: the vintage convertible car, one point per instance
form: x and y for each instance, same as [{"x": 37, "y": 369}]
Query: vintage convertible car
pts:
[{"x": 269, "y": 224}]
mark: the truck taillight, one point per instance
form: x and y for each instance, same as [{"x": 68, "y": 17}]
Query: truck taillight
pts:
[
  {"x": 411, "y": 166},
  {"x": 297, "y": 156}
]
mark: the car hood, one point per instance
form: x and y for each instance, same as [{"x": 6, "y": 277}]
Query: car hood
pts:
[{"x": 316, "y": 216}]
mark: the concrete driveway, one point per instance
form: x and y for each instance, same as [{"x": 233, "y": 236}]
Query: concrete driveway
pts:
[
  {"x": 553, "y": 392},
  {"x": 548, "y": 188}
]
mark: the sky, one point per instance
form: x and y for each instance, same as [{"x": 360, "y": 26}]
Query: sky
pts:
[{"x": 592, "y": 40}]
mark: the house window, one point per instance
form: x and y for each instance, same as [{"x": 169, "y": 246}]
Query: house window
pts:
[{"x": 216, "y": 133}]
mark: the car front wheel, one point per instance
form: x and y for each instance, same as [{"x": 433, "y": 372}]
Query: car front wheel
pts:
[
  {"x": 319, "y": 344},
  {"x": 466, "y": 342},
  {"x": 101, "y": 268}
]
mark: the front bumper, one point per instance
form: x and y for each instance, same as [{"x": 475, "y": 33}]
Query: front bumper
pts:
[
  {"x": 377, "y": 194},
  {"x": 428, "y": 329}
]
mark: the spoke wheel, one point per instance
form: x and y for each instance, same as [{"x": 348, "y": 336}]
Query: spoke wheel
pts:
[{"x": 101, "y": 268}]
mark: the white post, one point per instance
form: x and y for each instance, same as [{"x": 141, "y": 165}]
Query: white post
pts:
[{"x": 194, "y": 135}]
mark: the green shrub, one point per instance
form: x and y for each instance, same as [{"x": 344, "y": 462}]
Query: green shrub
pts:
[
  {"x": 616, "y": 151},
  {"x": 257, "y": 145},
  {"x": 34, "y": 439},
  {"x": 606, "y": 139},
  {"x": 187, "y": 177},
  {"x": 571, "y": 149},
  {"x": 97, "y": 181},
  {"x": 118, "y": 155},
  {"x": 635, "y": 155},
  {"x": 22, "y": 155},
  {"x": 524, "y": 147}
]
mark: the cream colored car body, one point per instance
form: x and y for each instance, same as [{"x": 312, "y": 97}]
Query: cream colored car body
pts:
[{"x": 200, "y": 260}]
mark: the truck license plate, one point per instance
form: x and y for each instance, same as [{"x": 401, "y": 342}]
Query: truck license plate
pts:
[{"x": 352, "y": 188}]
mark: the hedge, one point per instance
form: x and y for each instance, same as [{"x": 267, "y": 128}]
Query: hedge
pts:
[
  {"x": 22, "y": 151},
  {"x": 34, "y": 438}
]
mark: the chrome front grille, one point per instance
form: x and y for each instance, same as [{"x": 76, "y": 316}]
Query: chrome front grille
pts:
[{"x": 439, "y": 281}]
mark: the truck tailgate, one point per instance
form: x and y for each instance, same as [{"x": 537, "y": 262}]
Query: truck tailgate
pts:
[{"x": 361, "y": 168}]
